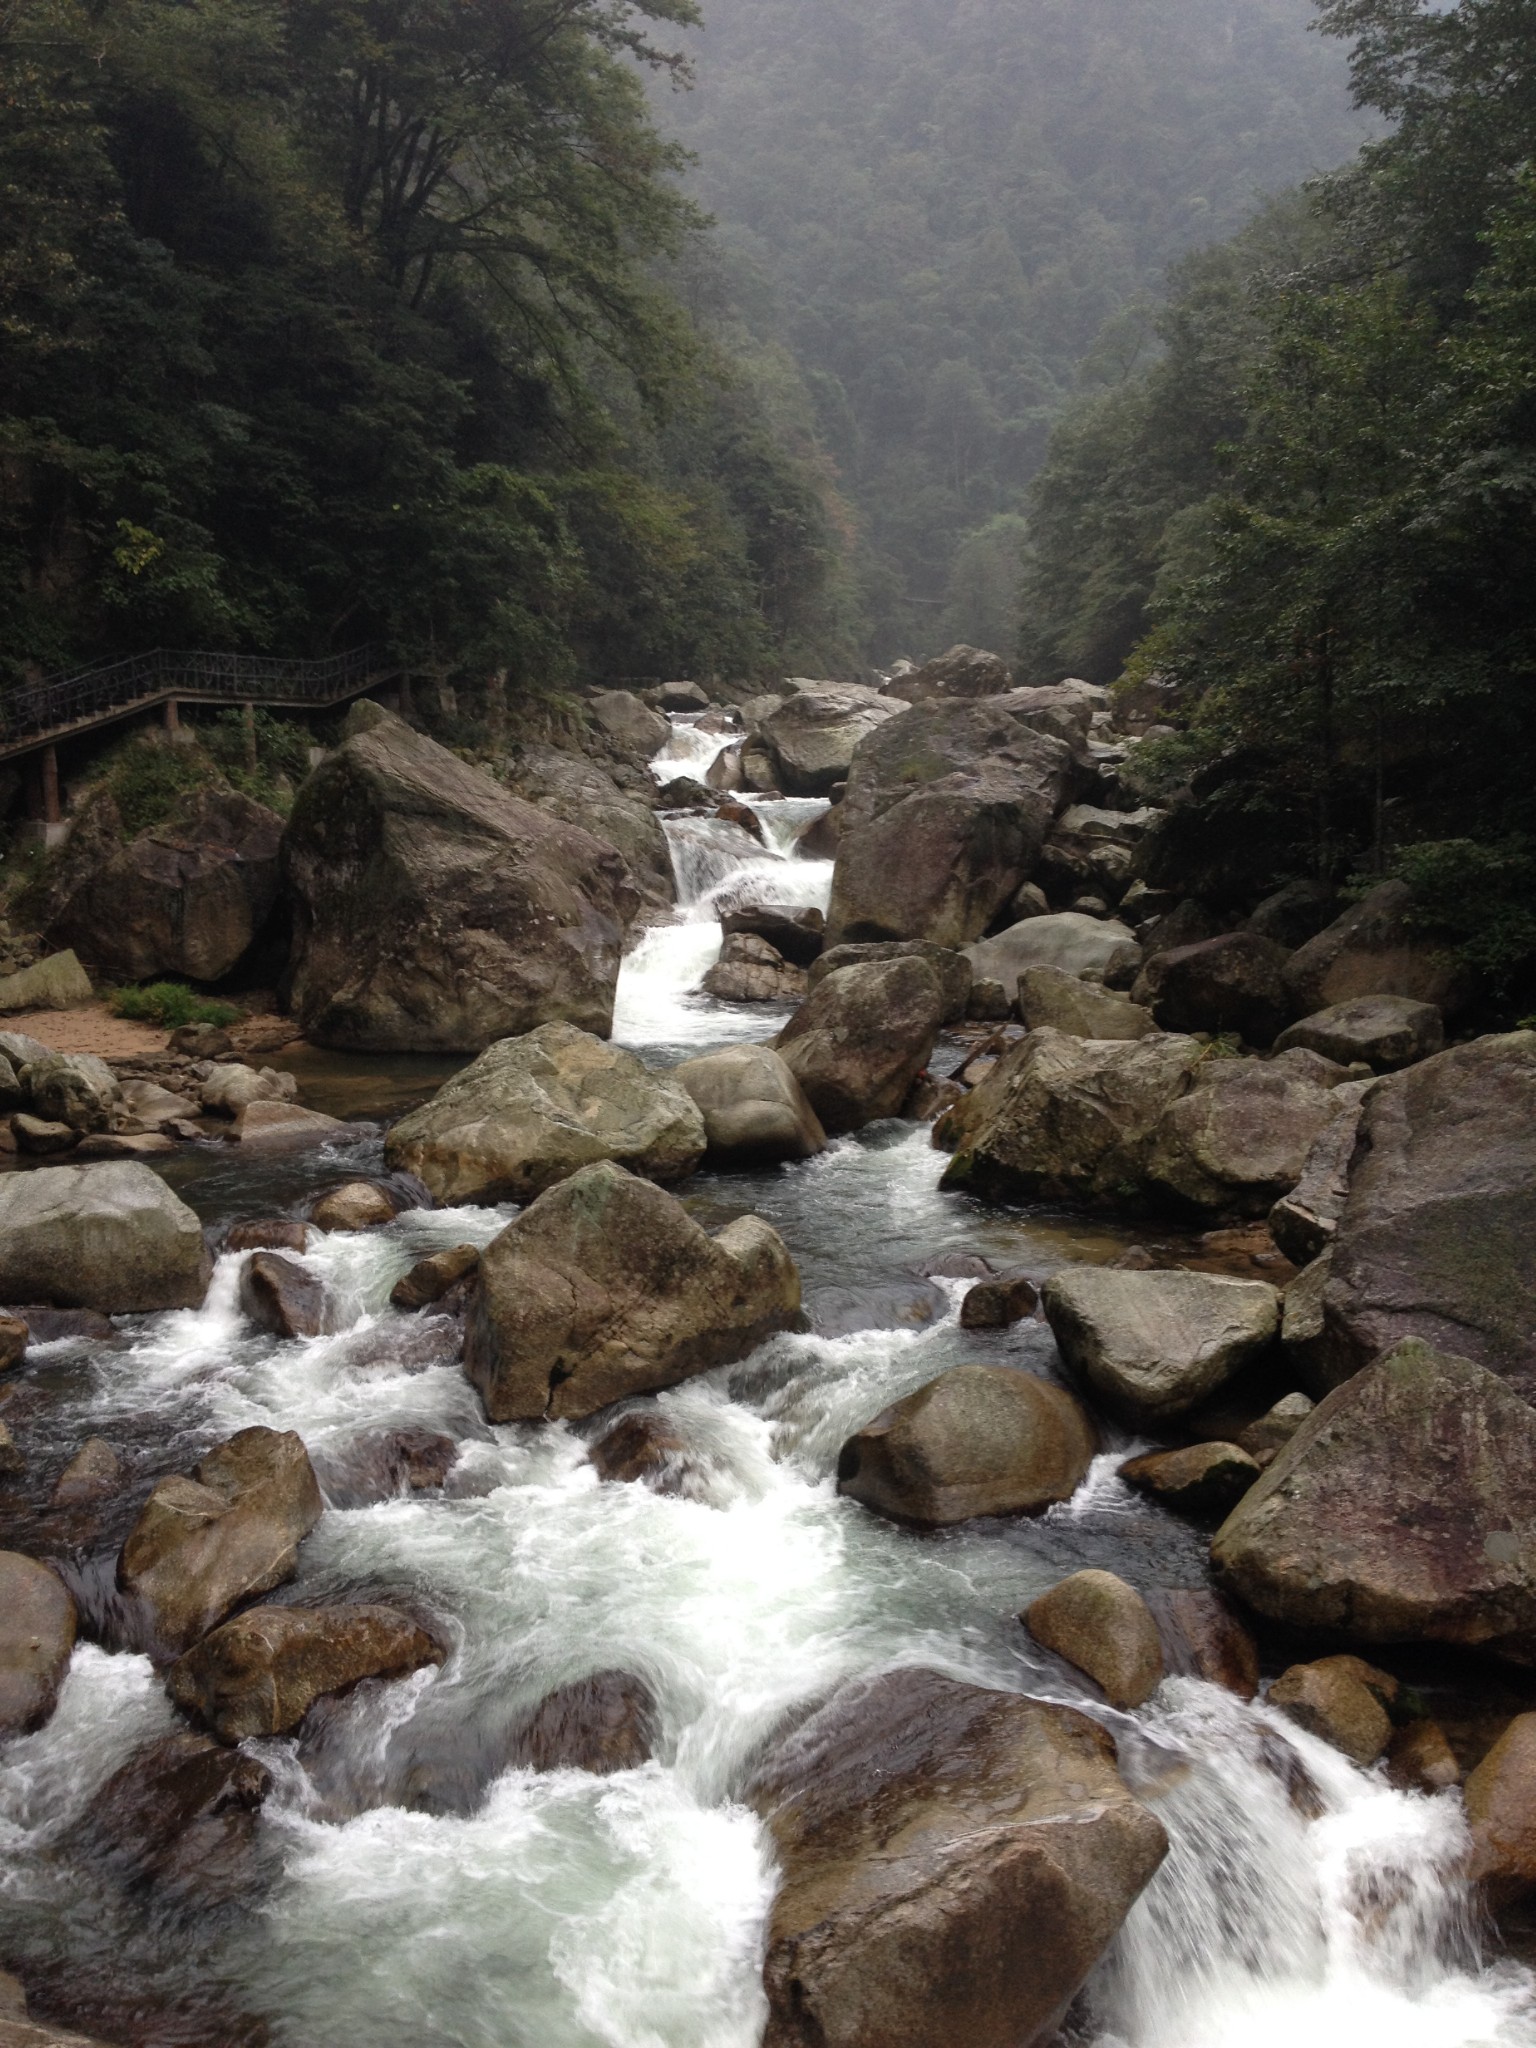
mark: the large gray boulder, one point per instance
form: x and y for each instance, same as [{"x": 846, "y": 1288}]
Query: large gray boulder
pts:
[
  {"x": 813, "y": 734},
  {"x": 1402, "y": 1510},
  {"x": 1067, "y": 940},
  {"x": 1240, "y": 1139},
  {"x": 861, "y": 1038},
  {"x": 1376, "y": 949},
  {"x": 1383, "y": 1031},
  {"x": 920, "y": 1824},
  {"x": 532, "y": 1110},
  {"x": 630, "y": 727},
  {"x": 574, "y": 789},
  {"x": 1096, "y": 850},
  {"x": 206, "y": 1542},
  {"x": 1061, "y": 1118},
  {"x": 189, "y": 896},
  {"x": 754, "y": 1109},
  {"x": 57, "y": 983},
  {"x": 978, "y": 1440},
  {"x": 1233, "y": 983},
  {"x": 946, "y": 811},
  {"x": 1437, "y": 1235},
  {"x": 37, "y": 1637},
  {"x": 960, "y": 676},
  {"x": 952, "y": 968},
  {"x": 1154, "y": 1345},
  {"x": 73, "y": 1088},
  {"x": 111, "y": 1237},
  {"x": 605, "y": 1287},
  {"x": 434, "y": 912}
]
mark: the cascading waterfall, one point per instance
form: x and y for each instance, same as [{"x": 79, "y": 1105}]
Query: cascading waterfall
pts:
[
  {"x": 1309, "y": 1902},
  {"x": 719, "y": 866}
]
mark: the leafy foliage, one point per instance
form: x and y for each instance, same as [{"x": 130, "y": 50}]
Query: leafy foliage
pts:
[{"x": 169, "y": 1005}]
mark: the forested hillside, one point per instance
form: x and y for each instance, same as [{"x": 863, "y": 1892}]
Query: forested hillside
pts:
[
  {"x": 1316, "y": 514},
  {"x": 936, "y": 206},
  {"x": 325, "y": 323}
]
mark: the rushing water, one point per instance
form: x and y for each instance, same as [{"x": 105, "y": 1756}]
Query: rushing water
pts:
[{"x": 567, "y": 1911}]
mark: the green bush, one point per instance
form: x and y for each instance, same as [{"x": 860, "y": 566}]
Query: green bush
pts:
[
  {"x": 1480, "y": 898},
  {"x": 170, "y": 1004},
  {"x": 148, "y": 779}
]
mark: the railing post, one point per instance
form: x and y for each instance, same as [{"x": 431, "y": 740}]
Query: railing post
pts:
[
  {"x": 172, "y": 716},
  {"x": 250, "y": 739},
  {"x": 52, "y": 814}
]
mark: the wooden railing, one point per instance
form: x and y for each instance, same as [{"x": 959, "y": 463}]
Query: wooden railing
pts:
[{"x": 41, "y": 713}]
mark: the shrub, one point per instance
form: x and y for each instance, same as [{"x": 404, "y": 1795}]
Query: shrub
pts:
[{"x": 170, "y": 1004}]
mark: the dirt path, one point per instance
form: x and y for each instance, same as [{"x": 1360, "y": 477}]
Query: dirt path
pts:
[{"x": 90, "y": 1028}]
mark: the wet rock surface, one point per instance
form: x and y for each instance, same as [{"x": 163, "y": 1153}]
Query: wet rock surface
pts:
[
  {"x": 1153, "y": 1345},
  {"x": 861, "y": 1039},
  {"x": 37, "y": 1634},
  {"x": 261, "y": 1673},
  {"x": 887, "y": 1924},
  {"x": 754, "y": 1109},
  {"x": 1104, "y": 1627},
  {"x": 111, "y": 1237}
]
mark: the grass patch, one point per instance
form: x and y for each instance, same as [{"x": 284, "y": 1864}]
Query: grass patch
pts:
[{"x": 170, "y": 1004}]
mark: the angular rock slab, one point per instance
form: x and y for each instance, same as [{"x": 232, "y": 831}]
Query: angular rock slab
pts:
[
  {"x": 978, "y": 1440},
  {"x": 434, "y": 911},
  {"x": 110, "y": 1237},
  {"x": 204, "y": 1543},
  {"x": 261, "y": 1673},
  {"x": 754, "y": 1109},
  {"x": 955, "y": 1861},
  {"x": 1240, "y": 1140},
  {"x": 1065, "y": 1118},
  {"x": 1403, "y": 1510},
  {"x": 1384, "y": 1031},
  {"x": 1153, "y": 1345},
  {"x": 531, "y": 1111},
  {"x": 606, "y": 1287},
  {"x": 1437, "y": 1235}
]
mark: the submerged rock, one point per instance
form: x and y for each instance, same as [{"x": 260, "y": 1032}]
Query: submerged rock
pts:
[
  {"x": 93, "y": 1474},
  {"x": 231, "y": 1530},
  {"x": 1153, "y": 1345},
  {"x": 531, "y": 1111},
  {"x": 861, "y": 1039},
  {"x": 182, "y": 1815},
  {"x": 433, "y": 911},
  {"x": 434, "y": 1276},
  {"x": 1403, "y": 1510},
  {"x": 37, "y": 1637},
  {"x": 110, "y": 1237},
  {"x": 606, "y": 1287},
  {"x": 643, "y": 1448},
  {"x": 978, "y": 1440},
  {"x": 1203, "y": 1638},
  {"x": 890, "y": 1924},
  {"x": 602, "y": 1724},
  {"x": 1104, "y": 1627},
  {"x": 754, "y": 1109},
  {"x": 261, "y": 1673}
]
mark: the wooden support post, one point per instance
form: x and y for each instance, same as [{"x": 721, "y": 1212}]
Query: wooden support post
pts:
[
  {"x": 172, "y": 716},
  {"x": 52, "y": 814},
  {"x": 250, "y": 739}
]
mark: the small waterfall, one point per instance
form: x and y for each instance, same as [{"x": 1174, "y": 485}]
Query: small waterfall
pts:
[
  {"x": 1302, "y": 1900},
  {"x": 719, "y": 867}
]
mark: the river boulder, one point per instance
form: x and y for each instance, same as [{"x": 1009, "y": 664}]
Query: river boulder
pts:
[
  {"x": 1501, "y": 1808},
  {"x": 1403, "y": 1510},
  {"x": 1103, "y": 1627},
  {"x": 1154, "y": 1345},
  {"x": 629, "y": 727},
  {"x": 1240, "y": 1139},
  {"x": 260, "y": 1673},
  {"x": 434, "y": 911},
  {"x": 1437, "y": 1235},
  {"x": 111, "y": 1237},
  {"x": 57, "y": 983},
  {"x": 37, "y": 1638},
  {"x": 861, "y": 1038},
  {"x": 1203, "y": 1481},
  {"x": 754, "y": 1109},
  {"x": 812, "y": 735},
  {"x": 750, "y": 970},
  {"x": 1377, "y": 949},
  {"x": 1062, "y": 1118},
  {"x": 1385, "y": 1032},
  {"x": 72, "y": 1088},
  {"x": 530, "y": 1111},
  {"x": 1067, "y": 940},
  {"x": 891, "y": 1923},
  {"x": 572, "y": 788},
  {"x": 797, "y": 935},
  {"x": 230, "y": 1530},
  {"x": 951, "y": 967},
  {"x": 189, "y": 896},
  {"x": 978, "y": 1440},
  {"x": 1052, "y": 999},
  {"x": 606, "y": 1287},
  {"x": 182, "y": 1816},
  {"x": 282, "y": 1296},
  {"x": 1334, "y": 1700},
  {"x": 602, "y": 1724},
  {"x": 947, "y": 809},
  {"x": 1233, "y": 983},
  {"x": 958, "y": 677},
  {"x": 1303, "y": 1222}
]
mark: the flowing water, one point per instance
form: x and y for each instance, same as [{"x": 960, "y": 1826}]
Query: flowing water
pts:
[{"x": 420, "y": 1901}]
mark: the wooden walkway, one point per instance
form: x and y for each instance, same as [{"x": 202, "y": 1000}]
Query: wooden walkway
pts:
[{"x": 38, "y": 717}]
